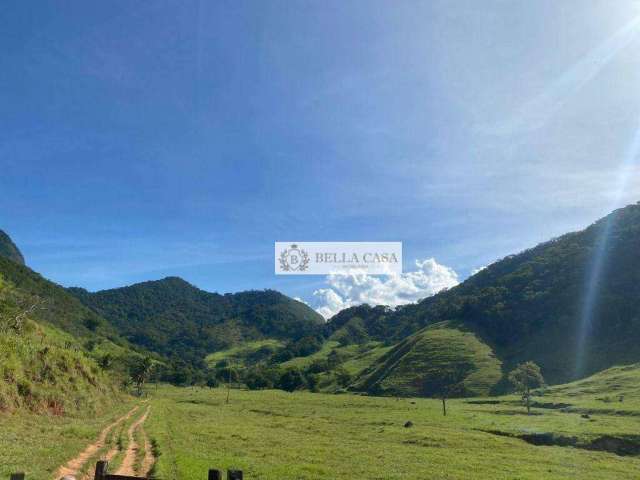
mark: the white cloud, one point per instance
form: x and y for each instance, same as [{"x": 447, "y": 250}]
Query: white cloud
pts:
[
  {"x": 347, "y": 290},
  {"x": 476, "y": 270}
]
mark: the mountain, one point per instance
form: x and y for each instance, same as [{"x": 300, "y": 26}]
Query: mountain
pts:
[
  {"x": 572, "y": 305},
  {"x": 544, "y": 304},
  {"x": 176, "y": 319},
  {"x": 9, "y": 250}
]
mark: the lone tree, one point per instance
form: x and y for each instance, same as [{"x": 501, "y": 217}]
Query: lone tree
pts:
[
  {"x": 141, "y": 371},
  {"x": 447, "y": 382},
  {"x": 524, "y": 378}
]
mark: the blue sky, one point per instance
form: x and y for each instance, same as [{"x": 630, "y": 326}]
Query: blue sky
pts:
[{"x": 145, "y": 139}]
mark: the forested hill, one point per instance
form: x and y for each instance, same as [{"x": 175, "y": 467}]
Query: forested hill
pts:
[
  {"x": 9, "y": 250},
  {"x": 174, "y": 318},
  {"x": 531, "y": 306}
]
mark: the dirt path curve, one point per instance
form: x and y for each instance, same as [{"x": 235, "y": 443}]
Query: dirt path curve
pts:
[
  {"x": 129, "y": 461},
  {"x": 72, "y": 468},
  {"x": 149, "y": 459}
]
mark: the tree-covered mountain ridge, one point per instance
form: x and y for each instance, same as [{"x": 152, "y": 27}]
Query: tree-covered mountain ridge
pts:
[
  {"x": 571, "y": 304},
  {"x": 176, "y": 319}
]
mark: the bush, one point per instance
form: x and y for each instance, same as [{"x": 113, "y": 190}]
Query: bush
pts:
[
  {"x": 318, "y": 366},
  {"x": 291, "y": 380},
  {"x": 312, "y": 381},
  {"x": 300, "y": 348},
  {"x": 212, "y": 381},
  {"x": 343, "y": 378},
  {"x": 258, "y": 379}
]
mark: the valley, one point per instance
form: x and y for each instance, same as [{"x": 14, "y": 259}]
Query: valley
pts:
[{"x": 140, "y": 376}]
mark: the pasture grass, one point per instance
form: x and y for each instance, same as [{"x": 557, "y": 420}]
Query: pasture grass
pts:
[{"x": 276, "y": 435}]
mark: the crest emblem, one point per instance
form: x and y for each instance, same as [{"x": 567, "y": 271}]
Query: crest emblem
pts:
[{"x": 294, "y": 259}]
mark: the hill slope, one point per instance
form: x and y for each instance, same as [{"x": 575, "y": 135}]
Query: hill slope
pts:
[
  {"x": 174, "y": 318},
  {"x": 531, "y": 306},
  {"x": 55, "y": 354},
  {"x": 43, "y": 368},
  {"x": 58, "y": 307},
  {"x": 407, "y": 368}
]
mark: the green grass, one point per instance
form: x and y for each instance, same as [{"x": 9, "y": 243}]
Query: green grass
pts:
[
  {"x": 363, "y": 359},
  {"x": 403, "y": 369},
  {"x": 356, "y": 357},
  {"x": 605, "y": 387},
  {"x": 39, "y": 372},
  {"x": 46, "y": 369},
  {"x": 276, "y": 435},
  {"x": 241, "y": 352},
  {"x": 273, "y": 435}
]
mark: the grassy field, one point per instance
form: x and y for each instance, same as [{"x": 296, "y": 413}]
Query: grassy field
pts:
[
  {"x": 276, "y": 435},
  {"x": 586, "y": 429}
]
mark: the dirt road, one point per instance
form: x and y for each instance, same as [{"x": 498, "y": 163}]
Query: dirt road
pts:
[{"x": 73, "y": 469}]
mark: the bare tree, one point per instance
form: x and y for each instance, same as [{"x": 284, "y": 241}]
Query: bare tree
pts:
[{"x": 26, "y": 307}]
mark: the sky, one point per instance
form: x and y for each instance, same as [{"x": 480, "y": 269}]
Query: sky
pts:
[{"x": 183, "y": 138}]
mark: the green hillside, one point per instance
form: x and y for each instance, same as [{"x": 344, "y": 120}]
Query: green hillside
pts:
[
  {"x": 42, "y": 368},
  {"x": 524, "y": 307},
  {"x": 246, "y": 353},
  {"x": 57, "y": 306},
  {"x": 174, "y": 318},
  {"x": 363, "y": 323},
  {"x": 56, "y": 355},
  {"x": 530, "y": 306},
  {"x": 407, "y": 369},
  {"x": 9, "y": 250},
  {"x": 617, "y": 387}
]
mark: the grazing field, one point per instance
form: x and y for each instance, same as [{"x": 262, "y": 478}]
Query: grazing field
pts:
[
  {"x": 40, "y": 444},
  {"x": 587, "y": 429},
  {"x": 277, "y": 435}
]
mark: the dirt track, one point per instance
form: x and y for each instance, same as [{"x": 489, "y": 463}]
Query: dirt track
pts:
[
  {"x": 128, "y": 464},
  {"x": 74, "y": 467}
]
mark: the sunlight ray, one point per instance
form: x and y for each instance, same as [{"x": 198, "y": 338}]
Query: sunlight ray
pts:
[
  {"x": 594, "y": 276},
  {"x": 537, "y": 112}
]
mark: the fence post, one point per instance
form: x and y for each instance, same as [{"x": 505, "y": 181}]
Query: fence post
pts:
[
  {"x": 215, "y": 475},
  {"x": 234, "y": 474},
  {"x": 17, "y": 476},
  {"x": 101, "y": 470}
]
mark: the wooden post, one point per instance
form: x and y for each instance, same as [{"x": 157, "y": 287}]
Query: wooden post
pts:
[
  {"x": 17, "y": 476},
  {"x": 234, "y": 474},
  {"x": 215, "y": 475},
  {"x": 101, "y": 470}
]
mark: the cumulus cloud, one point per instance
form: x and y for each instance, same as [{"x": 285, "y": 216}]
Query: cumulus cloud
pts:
[{"x": 347, "y": 290}]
